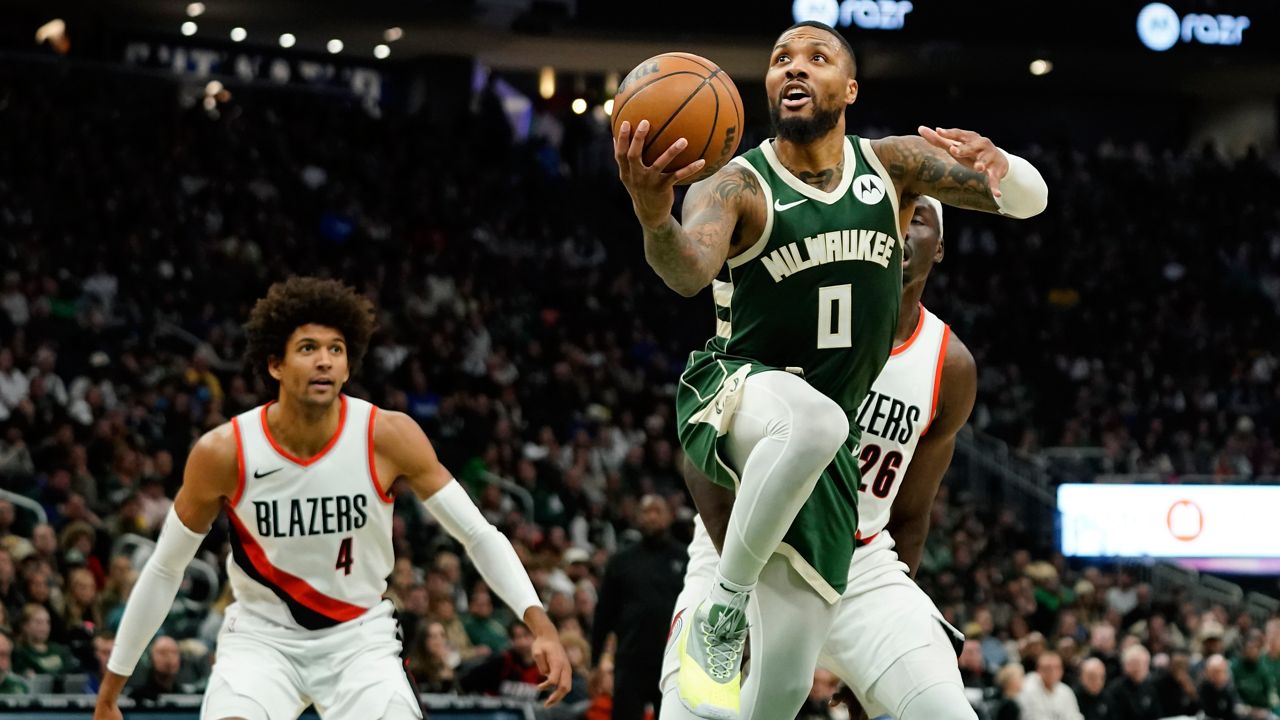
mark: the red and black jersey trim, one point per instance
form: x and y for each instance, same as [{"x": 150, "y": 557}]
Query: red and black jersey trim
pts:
[{"x": 309, "y": 607}]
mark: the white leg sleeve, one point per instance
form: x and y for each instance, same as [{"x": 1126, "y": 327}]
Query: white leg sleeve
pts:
[
  {"x": 784, "y": 434},
  {"x": 789, "y": 625}
]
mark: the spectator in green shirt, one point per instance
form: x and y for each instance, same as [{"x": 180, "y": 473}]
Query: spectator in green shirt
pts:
[
  {"x": 482, "y": 628},
  {"x": 1271, "y": 659},
  {"x": 35, "y": 654},
  {"x": 10, "y": 684},
  {"x": 1253, "y": 681}
]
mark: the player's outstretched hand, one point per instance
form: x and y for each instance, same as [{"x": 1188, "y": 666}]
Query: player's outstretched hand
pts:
[
  {"x": 651, "y": 186},
  {"x": 846, "y": 697},
  {"x": 971, "y": 150},
  {"x": 553, "y": 663}
]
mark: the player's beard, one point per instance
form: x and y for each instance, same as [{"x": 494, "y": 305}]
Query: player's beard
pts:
[{"x": 804, "y": 130}]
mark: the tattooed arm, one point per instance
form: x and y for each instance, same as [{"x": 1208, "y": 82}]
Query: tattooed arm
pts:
[
  {"x": 918, "y": 168},
  {"x": 687, "y": 257},
  {"x": 963, "y": 169}
]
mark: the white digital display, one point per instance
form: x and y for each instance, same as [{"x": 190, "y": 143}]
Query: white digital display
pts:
[
  {"x": 1160, "y": 28},
  {"x": 866, "y": 14},
  {"x": 1171, "y": 521}
]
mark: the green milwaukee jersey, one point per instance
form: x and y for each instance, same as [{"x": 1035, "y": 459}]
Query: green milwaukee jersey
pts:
[
  {"x": 816, "y": 295},
  {"x": 819, "y": 291}
]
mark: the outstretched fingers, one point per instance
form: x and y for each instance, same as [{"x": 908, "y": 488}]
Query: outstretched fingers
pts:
[{"x": 665, "y": 158}]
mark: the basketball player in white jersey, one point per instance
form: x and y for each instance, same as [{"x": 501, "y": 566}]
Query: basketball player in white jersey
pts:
[
  {"x": 889, "y": 642},
  {"x": 305, "y": 483}
]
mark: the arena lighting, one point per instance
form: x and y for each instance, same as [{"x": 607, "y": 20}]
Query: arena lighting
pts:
[
  {"x": 382, "y": 52},
  {"x": 238, "y": 34},
  {"x": 188, "y": 28},
  {"x": 54, "y": 32},
  {"x": 287, "y": 40},
  {"x": 50, "y": 29},
  {"x": 213, "y": 88},
  {"x": 546, "y": 82},
  {"x": 579, "y": 106},
  {"x": 195, "y": 9},
  {"x": 1041, "y": 67},
  {"x": 392, "y": 34},
  {"x": 334, "y": 46},
  {"x": 611, "y": 81},
  {"x": 608, "y": 106}
]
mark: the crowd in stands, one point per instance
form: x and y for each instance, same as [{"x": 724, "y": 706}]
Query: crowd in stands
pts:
[
  {"x": 1137, "y": 315},
  {"x": 522, "y": 329}
]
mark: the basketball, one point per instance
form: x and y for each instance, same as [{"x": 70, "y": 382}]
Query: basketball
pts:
[{"x": 682, "y": 95}]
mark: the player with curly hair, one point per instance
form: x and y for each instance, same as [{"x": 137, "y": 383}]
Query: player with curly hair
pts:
[{"x": 305, "y": 481}]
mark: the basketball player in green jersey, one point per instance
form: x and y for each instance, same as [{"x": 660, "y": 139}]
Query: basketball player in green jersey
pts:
[{"x": 800, "y": 241}]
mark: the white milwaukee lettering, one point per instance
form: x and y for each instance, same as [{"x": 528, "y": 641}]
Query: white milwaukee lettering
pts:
[
  {"x": 828, "y": 247},
  {"x": 835, "y": 251},
  {"x": 776, "y": 266},
  {"x": 817, "y": 248}
]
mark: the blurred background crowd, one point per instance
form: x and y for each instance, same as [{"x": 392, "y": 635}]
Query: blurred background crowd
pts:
[{"x": 522, "y": 329}]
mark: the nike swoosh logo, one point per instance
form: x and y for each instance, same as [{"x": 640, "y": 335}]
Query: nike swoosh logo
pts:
[
  {"x": 777, "y": 204},
  {"x": 260, "y": 474}
]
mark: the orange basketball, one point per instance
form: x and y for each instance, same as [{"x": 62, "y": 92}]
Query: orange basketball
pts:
[{"x": 686, "y": 96}]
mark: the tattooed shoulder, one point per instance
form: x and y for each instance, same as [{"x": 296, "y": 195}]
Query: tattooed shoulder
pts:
[
  {"x": 734, "y": 182},
  {"x": 730, "y": 186}
]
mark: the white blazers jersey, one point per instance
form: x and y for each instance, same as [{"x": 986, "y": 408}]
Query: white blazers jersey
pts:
[
  {"x": 310, "y": 539},
  {"x": 894, "y": 416}
]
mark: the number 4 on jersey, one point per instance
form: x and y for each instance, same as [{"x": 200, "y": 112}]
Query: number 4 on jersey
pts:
[{"x": 344, "y": 557}]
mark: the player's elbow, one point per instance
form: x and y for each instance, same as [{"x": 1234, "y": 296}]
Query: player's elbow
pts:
[
  {"x": 685, "y": 288},
  {"x": 687, "y": 283}
]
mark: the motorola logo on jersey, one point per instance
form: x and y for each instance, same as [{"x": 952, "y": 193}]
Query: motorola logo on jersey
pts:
[
  {"x": 888, "y": 418},
  {"x": 311, "y": 516},
  {"x": 869, "y": 189}
]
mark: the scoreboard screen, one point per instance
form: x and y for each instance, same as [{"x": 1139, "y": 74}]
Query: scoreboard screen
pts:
[{"x": 1169, "y": 521}]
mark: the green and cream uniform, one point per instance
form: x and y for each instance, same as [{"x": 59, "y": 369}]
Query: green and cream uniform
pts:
[{"x": 817, "y": 295}]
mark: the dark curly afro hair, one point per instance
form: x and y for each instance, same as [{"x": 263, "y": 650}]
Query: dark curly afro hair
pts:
[{"x": 301, "y": 301}]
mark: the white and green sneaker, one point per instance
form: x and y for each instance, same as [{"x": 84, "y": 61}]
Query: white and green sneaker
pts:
[{"x": 710, "y": 648}]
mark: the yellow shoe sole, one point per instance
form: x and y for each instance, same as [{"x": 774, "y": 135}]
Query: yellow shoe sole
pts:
[{"x": 701, "y": 695}]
